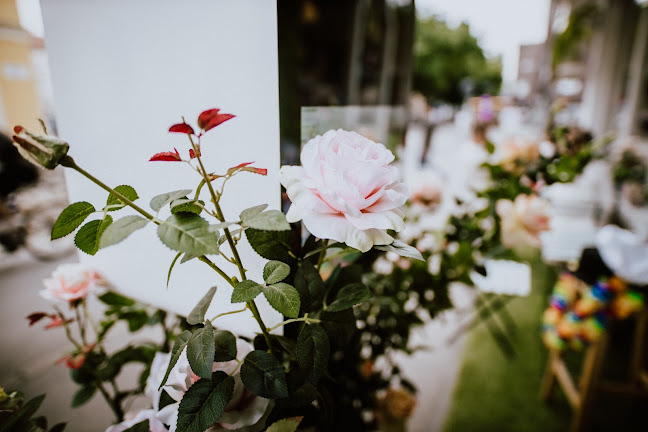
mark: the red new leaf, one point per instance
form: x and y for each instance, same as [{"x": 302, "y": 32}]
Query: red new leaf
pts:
[
  {"x": 167, "y": 157},
  {"x": 182, "y": 128},
  {"x": 35, "y": 317},
  {"x": 244, "y": 167},
  {"x": 211, "y": 118}
]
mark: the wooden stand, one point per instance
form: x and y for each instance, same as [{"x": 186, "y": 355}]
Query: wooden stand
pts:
[{"x": 581, "y": 396}]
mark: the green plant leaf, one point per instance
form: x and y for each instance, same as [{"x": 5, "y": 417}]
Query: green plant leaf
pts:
[
  {"x": 187, "y": 257},
  {"x": 127, "y": 191},
  {"x": 142, "y": 426},
  {"x": 178, "y": 346},
  {"x": 70, "y": 218},
  {"x": 189, "y": 233},
  {"x": 200, "y": 350},
  {"x": 111, "y": 298},
  {"x": 275, "y": 271},
  {"x": 270, "y": 220},
  {"x": 159, "y": 201},
  {"x": 225, "y": 346},
  {"x": 245, "y": 291},
  {"x": 249, "y": 213},
  {"x": 25, "y": 412},
  {"x": 88, "y": 236},
  {"x": 83, "y": 395},
  {"x": 403, "y": 249},
  {"x": 272, "y": 245},
  {"x": 310, "y": 286},
  {"x": 197, "y": 314},
  {"x": 313, "y": 350},
  {"x": 283, "y": 297},
  {"x": 349, "y": 296},
  {"x": 263, "y": 375},
  {"x": 285, "y": 425},
  {"x": 187, "y": 205},
  {"x": 171, "y": 267},
  {"x": 121, "y": 229},
  {"x": 203, "y": 404}
]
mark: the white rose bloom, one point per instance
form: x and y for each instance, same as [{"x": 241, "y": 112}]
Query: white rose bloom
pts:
[{"x": 523, "y": 220}]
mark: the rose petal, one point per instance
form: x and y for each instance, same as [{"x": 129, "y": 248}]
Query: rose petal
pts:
[
  {"x": 182, "y": 128},
  {"x": 337, "y": 227}
]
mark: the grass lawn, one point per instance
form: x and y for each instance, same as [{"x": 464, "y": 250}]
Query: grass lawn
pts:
[{"x": 498, "y": 393}]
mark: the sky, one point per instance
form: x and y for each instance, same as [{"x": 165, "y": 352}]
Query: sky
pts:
[{"x": 501, "y": 26}]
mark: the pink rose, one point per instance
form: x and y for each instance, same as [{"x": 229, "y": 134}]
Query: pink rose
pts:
[
  {"x": 523, "y": 220},
  {"x": 346, "y": 190},
  {"x": 70, "y": 282}
]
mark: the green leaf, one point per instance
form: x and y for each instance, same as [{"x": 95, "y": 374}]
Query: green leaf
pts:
[
  {"x": 270, "y": 220},
  {"x": 187, "y": 257},
  {"x": 350, "y": 295},
  {"x": 275, "y": 271},
  {"x": 249, "y": 213},
  {"x": 285, "y": 425},
  {"x": 310, "y": 287},
  {"x": 283, "y": 297},
  {"x": 127, "y": 191},
  {"x": 159, "y": 201},
  {"x": 245, "y": 291},
  {"x": 111, "y": 298},
  {"x": 203, "y": 404},
  {"x": 197, "y": 314},
  {"x": 225, "y": 346},
  {"x": 263, "y": 375},
  {"x": 171, "y": 267},
  {"x": 272, "y": 245},
  {"x": 83, "y": 395},
  {"x": 200, "y": 350},
  {"x": 403, "y": 249},
  {"x": 70, "y": 218},
  {"x": 313, "y": 350},
  {"x": 189, "y": 233},
  {"x": 341, "y": 324},
  {"x": 25, "y": 412},
  {"x": 187, "y": 205},
  {"x": 121, "y": 229},
  {"x": 178, "y": 346},
  {"x": 87, "y": 238},
  {"x": 136, "y": 319},
  {"x": 142, "y": 426}
]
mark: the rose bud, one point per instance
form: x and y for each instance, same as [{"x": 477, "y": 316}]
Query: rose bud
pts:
[{"x": 42, "y": 150}]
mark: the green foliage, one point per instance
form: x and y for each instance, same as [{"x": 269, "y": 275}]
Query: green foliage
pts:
[
  {"x": 159, "y": 201},
  {"x": 201, "y": 350},
  {"x": 269, "y": 220},
  {"x": 245, "y": 291},
  {"x": 272, "y": 245},
  {"x": 313, "y": 351},
  {"x": 263, "y": 375},
  {"x": 187, "y": 206},
  {"x": 349, "y": 296},
  {"x": 188, "y": 233},
  {"x": 121, "y": 229},
  {"x": 251, "y": 212},
  {"x": 197, "y": 314},
  {"x": 224, "y": 346},
  {"x": 88, "y": 237},
  {"x": 83, "y": 395},
  {"x": 578, "y": 30},
  {"x": 18, "y": 416},
  {"x": 70, "y": 218},
  {"x": 204, "y": 403},
  {"x": 283, "y": 297},
  {"x": 285, "y": 425},
  {"x": 111, "y": 298},
  {"x": 444, "y": 57},
  {"x": 310, "y": 286},
  {"x": 402, "y": 249},
  {"x": 142, "y": 426},
  {"x": 127, "y": 191},
  {"x": 275, "y": 271},
  {"x": 178, "y": 346}
]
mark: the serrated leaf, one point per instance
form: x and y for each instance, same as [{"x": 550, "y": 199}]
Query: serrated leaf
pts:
[
  {"x": 313, "y": 350},
  {"x": 270, "y": 220},
  {"x": 159, "y": 201},
  {"x": 142, "y": 426},
  {"x": 216, "y": 227},
  {"x": 189, "y": 233},
  {"x": 88, "y": 237},
  {"x": 187, "y": 205},
  {"x": 349, "y": 296},
  {"x": 245, "y": 291},
  {"x": 178, "y": 346},
  {"x": 70, "y": 218},
  {"x": 263, "y": 375},
  {"x": 187, "y": 257},
  {"x": 204, "y": 403},
  {"x": 310, "y": 287},
  {"x": 113, "y": 299},
  {"x": 171, "y": 267},
  {"x": 275, "y": 271},
  {"x": 251, "y": 212},
  {"x": 200, "y": 350},
  {"x": 403, "y": 249},
  {"x": 285, "y": 425},
  {"x": 83, "y": 395},
  {"x": 272, "y": 245},
  {"x": 225, "y": 346},
  {"x": 127, "y": 191},
  {"x": 283, "y": 297},
  {"x": 121, "y": 229},
  {"x": 197, "y": 314}
]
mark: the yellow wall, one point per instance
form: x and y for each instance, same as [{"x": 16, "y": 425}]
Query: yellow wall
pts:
[{"x": 9, "y": 13}]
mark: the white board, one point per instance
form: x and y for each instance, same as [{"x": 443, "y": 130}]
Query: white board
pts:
[{"x": 123, "y": 71}]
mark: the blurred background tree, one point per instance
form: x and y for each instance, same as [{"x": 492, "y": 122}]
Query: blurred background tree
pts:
[{"x": 449, "y": 64}]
